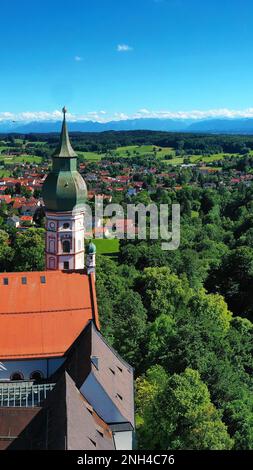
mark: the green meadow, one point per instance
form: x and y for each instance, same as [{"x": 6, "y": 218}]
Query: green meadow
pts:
[
  {"x": 129, "y": 151},
  {"x": 161, "y": 154},
  {"x": 108, "y": 247},
  {"x": 14, "y": 159},
  {"x": 199, "y": 158}
]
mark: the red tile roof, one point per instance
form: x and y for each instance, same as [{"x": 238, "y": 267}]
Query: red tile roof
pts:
[
  {"x": 6, "y": 198},
  {"x": 43, "y": 320},
  {"x": 26, "y": 217}
]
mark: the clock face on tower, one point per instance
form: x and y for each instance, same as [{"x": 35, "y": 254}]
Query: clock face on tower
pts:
[{"x": 51, "y": 225}]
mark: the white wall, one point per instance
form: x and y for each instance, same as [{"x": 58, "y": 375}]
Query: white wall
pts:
[{"x": 123, "y": 440}]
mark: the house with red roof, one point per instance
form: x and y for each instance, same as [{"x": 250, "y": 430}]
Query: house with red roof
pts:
[{"x": 5, "y": 198}]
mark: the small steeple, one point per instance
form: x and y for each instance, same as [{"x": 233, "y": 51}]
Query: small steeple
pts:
[{"x": 65, "y": 149}]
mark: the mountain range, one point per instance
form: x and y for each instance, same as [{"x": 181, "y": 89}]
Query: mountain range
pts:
[{"x": 215, "y": 126}]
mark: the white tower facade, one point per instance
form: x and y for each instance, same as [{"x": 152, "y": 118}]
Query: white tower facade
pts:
[{"x": 64, "y": 240}]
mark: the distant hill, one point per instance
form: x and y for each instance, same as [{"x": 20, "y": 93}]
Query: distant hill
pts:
[
  {"x": 236, "y": 126},
  {"x": 219, "y": 126}
]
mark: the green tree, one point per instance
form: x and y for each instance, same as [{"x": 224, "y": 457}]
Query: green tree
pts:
[
  {"x": 129, "y": 327},
  {"x": 160, "y": 337},
  {"x": 234, "y": 280},
  {"x": 162, "y": 292},
  {"x": 6, "y": 252},
  {"x": 181, "y": 416},
  {"x": 29, "y": 250},
  {"x": 202, "y": 331}
]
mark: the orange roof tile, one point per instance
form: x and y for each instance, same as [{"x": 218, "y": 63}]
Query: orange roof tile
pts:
[{"x": 43, "y": 320}]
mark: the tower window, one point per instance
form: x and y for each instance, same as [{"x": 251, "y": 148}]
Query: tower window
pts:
[
  {"x": 66, "y": 246},
  {"x": 23, "y": 280},
  {"x": 65, "y": 225},
  {"x": 6, "y": 281},
  {"x": 51, "y": 263},
  {"x": 66, "y": 265},
  {"x": 17, "y": 376},
  {"x": 43, "y": 279}
]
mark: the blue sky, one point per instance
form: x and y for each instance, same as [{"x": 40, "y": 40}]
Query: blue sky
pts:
[{"x": 126, "y": 58}]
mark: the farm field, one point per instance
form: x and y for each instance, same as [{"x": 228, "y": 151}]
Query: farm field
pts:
[
  {"x": 12, "y": 159},
  {"x": 129, "y": 151},
  {"x": 161, "y": 154},
  {"x": 200, "y": 158}
]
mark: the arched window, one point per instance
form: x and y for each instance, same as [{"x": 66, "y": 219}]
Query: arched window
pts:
[
  {"x": 17, "y": 376},
  {"x": 52, "y": 245},
  {"x": 66, "y": 246},
  {"x": 37, "y": 376}
]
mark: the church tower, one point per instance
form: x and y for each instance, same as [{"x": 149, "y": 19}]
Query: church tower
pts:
[{"x": 64, "y": 193}]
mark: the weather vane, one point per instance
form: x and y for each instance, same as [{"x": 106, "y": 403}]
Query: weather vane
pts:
[{"x": 64, "y": 110}]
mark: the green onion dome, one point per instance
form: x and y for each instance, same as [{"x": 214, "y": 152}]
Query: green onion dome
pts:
[
  {"x": 64, "y": 187},
  {"x": 90, "y": 249}
]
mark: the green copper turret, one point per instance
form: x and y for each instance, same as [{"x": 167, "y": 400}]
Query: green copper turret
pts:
[{"x": 64, "y": 188}]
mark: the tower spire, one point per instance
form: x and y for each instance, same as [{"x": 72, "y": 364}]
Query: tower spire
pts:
[{"x": 65, "y": 149}]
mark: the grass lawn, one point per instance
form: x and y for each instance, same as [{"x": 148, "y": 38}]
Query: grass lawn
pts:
[
  {"x": 108, "y": 247},
  {"x": 91, "y": 156}
]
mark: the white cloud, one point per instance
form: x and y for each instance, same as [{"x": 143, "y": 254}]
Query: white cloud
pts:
[
  {"x": 78, "y": 58},
  {"x": 124, "y": 48},
  {"x": 120, "y": 116},
  {"x": 104, "y": 116},
  {"x": 196, "y": 114}
]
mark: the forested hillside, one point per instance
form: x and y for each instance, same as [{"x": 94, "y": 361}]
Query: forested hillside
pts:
[{"x": 183, "y": 319}]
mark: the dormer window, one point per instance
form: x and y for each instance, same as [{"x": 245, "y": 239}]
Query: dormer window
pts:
[
  {"x": 16, "y": 376},
  {"x": 37, "y": 376},
  {"x": 93, "y": 442}
]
